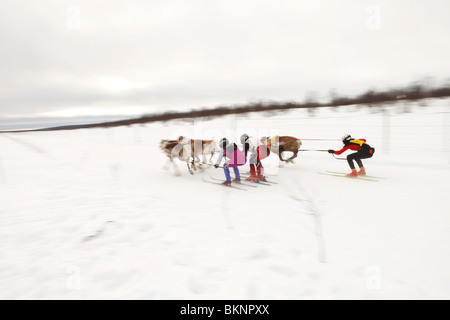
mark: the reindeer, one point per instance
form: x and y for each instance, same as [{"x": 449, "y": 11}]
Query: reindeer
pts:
[
  {"x": 203, "y": 148},
  {"x": 278, "y": 145},
  {"x": 185, "y": 149},
  {"x": 177, "y": 149}
]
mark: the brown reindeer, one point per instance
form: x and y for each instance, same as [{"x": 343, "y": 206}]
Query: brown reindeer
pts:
[
  {"x": 177, "y": 149},
  {"x": 278, "y": 145},
  {"x": 185, "y": 149},
  {"x": 202, "y": 148}
]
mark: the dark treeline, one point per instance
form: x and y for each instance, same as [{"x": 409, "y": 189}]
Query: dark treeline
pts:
[{"x": 370, "y": 98}]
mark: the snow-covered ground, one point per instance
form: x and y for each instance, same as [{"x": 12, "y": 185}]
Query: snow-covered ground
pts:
[{"x": 92, "y": 214}]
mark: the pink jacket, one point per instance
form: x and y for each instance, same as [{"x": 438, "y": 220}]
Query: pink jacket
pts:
[{"x": 237, "y": 158}]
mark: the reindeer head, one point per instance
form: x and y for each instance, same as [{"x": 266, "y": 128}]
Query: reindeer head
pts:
[
  {"x": 272, "y": 144},
  {"x": 165, "y": 146},
  {"x": 265, "y": 140}
]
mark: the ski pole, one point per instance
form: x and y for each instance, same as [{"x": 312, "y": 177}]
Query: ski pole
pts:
[
  {"x": 212, "y": 165},
  {"x": 339, "y": 158}
]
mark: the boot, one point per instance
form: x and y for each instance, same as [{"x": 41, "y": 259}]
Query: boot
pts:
[
  {"x": 226, "y": 183},
  {"x": 354, "y": 173},
  {"x": 261, "y": 173},
  {"x": 253, "y": 176},
  {"x": 362, "y": 172},
  {"x": 237, "y": 180}
]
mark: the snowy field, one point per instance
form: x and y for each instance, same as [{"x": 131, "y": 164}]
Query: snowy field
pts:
[{"x": 92, "y": 214}]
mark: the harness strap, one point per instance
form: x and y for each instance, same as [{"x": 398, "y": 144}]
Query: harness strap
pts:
[{"x": 359, "y": 142}]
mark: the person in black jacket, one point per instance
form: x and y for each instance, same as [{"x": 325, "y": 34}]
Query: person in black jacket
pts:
[{"x": 364, "y": 151}]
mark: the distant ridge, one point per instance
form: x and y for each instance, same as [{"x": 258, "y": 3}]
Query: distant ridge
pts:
[{"x": 370, "y": 98}]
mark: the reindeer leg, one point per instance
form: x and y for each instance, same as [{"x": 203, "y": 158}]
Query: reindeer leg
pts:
[
  {"x": 175, "y": 167},
  {"x": 190, "y": 170},
  {"x": 200, "y": 164},
  {"x": 291, "y": 159},
  {"x": 166, "y": 165}
]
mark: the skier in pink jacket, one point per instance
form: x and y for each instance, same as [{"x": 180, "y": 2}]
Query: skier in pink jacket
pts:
[{"x": 235, "y": 159}]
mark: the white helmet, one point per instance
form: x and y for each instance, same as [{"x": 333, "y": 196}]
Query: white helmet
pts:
[
  {"x": 244, "y": 138},
  {"x": 346, "y": 137}
]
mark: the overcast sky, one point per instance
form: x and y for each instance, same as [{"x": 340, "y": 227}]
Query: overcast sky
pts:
[{"x": 116, "y": 57}]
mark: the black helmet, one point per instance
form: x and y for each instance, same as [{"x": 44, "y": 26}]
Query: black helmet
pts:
[
  {"x": 223, "y": 143},
  {"x": 346, "y": 138},
  {"x": 244, "y": 138}
]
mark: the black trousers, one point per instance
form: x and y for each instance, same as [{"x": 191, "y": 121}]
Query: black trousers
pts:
[{"x": 357, "y": 156}]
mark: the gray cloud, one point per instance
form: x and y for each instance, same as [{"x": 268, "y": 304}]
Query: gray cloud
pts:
[{"x": 177, "y": 54}]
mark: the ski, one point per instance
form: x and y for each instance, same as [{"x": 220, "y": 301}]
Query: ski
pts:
[
  {"x": 242, "y": 182},
  {"x": 269, "y": 181},
  {"x": 345, "y": 176},
  {"x": 364, "y": 176},
  {"x": 262, "y": 182},
  {"x": 220, "y": 184}
]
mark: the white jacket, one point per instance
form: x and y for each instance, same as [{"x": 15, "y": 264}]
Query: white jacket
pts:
[{"x": 253, "y": 143}]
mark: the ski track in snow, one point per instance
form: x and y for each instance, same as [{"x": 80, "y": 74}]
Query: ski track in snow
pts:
[{"x": 93, "y": 214}]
